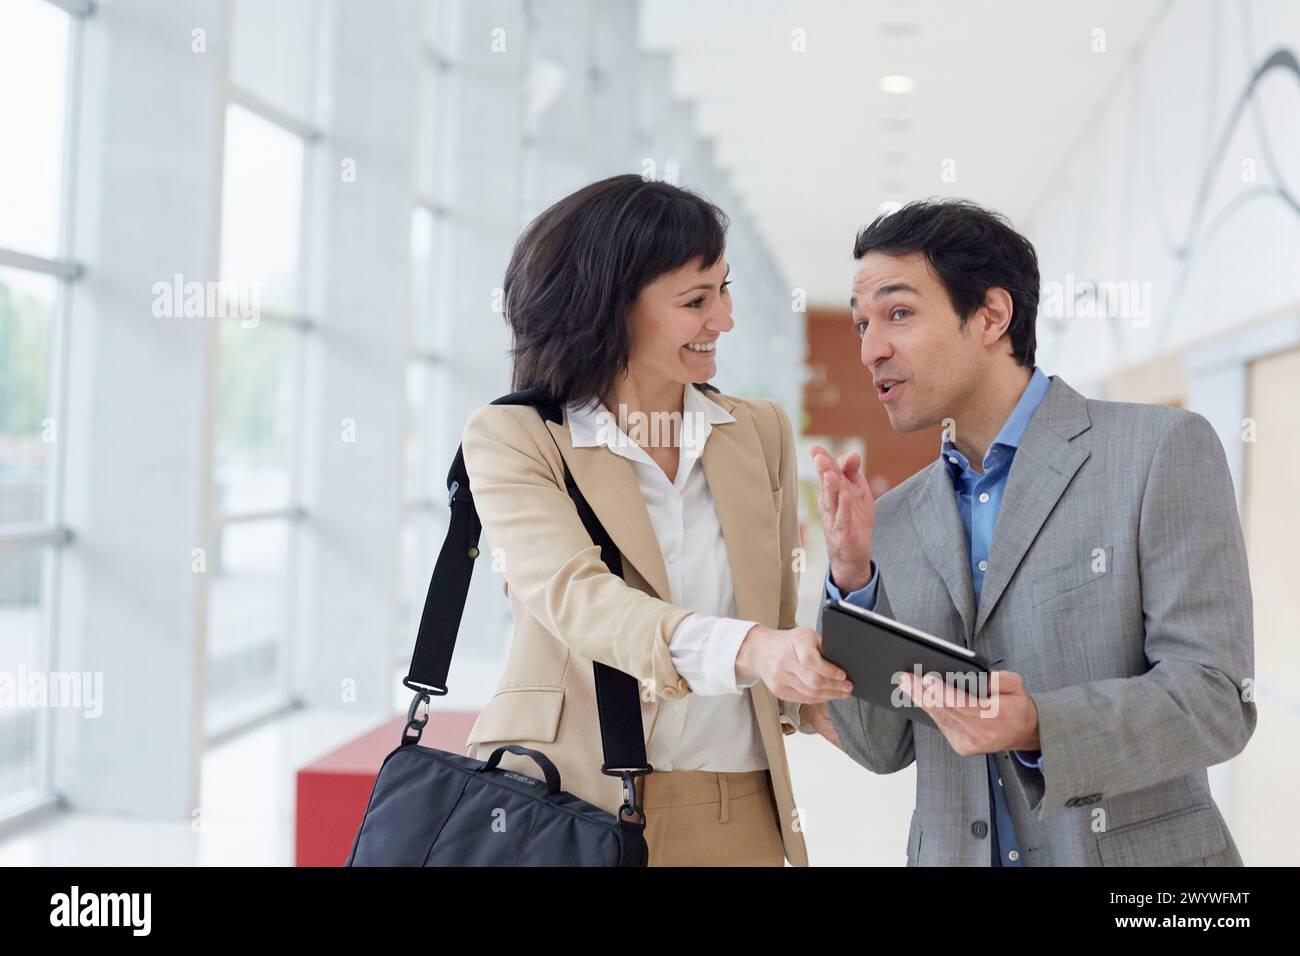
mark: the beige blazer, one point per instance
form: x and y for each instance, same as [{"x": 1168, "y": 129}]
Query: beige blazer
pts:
[{"x": 569, "y": 610}]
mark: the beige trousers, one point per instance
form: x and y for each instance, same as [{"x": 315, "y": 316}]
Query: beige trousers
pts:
[{"x": 703, "y": 818}]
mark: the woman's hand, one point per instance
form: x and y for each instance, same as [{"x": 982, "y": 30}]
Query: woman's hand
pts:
[
  {"x": 791, "y": 665},
  {"x": 848, "y": 513}
]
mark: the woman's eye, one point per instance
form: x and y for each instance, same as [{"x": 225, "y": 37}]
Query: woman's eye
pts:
[
  {"x": 861, "y": 327},
  {"x": 725, "y": 284},
  {"x": 695, "y": 303}
]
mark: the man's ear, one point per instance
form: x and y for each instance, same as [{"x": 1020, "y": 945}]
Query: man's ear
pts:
[{"x": 995, "y": 316}]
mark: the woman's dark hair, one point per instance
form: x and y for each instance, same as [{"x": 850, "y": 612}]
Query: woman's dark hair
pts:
[
  {"x": 972, "y": 250},
  {"x": 578, "y": 267}
]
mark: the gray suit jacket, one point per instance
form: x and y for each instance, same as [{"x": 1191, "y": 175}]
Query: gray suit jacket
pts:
[{"x": 1117, "y": 588}]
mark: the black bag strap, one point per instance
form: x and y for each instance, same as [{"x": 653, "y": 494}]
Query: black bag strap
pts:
[{"x": 617, "y": 693}]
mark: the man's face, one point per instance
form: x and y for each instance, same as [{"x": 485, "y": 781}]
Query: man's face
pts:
[{"x": 924, "y": 363}]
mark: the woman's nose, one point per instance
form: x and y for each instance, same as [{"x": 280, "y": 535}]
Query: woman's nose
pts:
[{"x": 720, "y": 319}]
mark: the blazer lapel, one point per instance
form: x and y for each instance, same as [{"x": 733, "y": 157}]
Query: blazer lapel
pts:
[
  {"x": 1042, "y": 469},
  {"x": 943, "y": 541},
  {"x": 731, "y": 459},
  {"x": 610, "y": 487}
]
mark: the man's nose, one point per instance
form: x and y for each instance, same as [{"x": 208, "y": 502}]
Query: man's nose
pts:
[{"x": 875, "y": 347}]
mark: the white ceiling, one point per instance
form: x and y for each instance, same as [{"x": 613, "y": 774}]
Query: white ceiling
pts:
[{"x": 814, "y": 147}]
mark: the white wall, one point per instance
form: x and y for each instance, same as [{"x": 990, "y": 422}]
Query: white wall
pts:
[{"x": 1186, "y": 181}]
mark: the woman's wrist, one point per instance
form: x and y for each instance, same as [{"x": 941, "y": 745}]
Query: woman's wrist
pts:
[{"x": 750, "y": 654}]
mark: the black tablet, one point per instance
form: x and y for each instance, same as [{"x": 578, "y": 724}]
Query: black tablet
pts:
[{"x": 873, "y": 649}]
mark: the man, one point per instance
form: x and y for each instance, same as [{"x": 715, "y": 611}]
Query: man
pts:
[{"x": 1091, "y": 548}]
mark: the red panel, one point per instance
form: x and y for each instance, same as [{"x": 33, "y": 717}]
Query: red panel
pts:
[
  {"x": 334, "y": 790},
  {"x": 840, "y": 402}
]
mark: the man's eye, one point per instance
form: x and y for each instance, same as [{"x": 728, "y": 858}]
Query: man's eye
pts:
[
  {"x": 894, "y": 313},
  {"x": 861, "y": 326}
]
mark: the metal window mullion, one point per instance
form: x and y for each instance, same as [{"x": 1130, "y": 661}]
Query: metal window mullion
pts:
[
  {"x": 291, "y": 513},
  {"x": 77, "y": 8},
  {"x": 273, "y": 114},
  {"x": 23, "y": 537},
  {"x": 287, "y": 319},
  {"x": 59, "y": 268}
]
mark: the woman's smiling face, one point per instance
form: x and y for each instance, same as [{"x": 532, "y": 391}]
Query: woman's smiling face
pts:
[{"x": 676, "y": 321}]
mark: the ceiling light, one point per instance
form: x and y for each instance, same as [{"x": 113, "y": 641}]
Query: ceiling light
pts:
[{"x": 896, "y": 83}]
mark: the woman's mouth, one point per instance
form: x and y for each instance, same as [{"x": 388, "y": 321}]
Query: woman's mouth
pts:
[{"x": 700, "y": 348}]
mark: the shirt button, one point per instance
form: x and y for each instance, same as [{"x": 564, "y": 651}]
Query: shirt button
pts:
[
  {"x": 983, "y": 565},
  {"x": 1013, "y": 856},
  {"x": 675, "y": 504},
  {"x": 984, "y": 497},
  {"x": 980, "y": 829},
  {"x": 672, "y": 559},
  {"x": 953, "y": 460}
]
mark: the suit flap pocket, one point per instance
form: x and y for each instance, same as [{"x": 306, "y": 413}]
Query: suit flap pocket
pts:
[
  {"x": 520, "y": 714},
  {"x": 1178, "y": 837},
  {"x": 1071, "y": 577}
]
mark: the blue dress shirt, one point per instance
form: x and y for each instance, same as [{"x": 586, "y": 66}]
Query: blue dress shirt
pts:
[{"x": 978, "y": 499}]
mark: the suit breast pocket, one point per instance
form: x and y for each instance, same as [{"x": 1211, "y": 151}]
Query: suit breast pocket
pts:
[{"x": 1073, "y": 579}]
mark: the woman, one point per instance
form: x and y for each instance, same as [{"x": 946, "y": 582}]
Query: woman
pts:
[{"x": 617, "y": 298}]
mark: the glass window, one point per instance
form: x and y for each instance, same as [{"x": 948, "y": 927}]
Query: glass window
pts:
[
  {"x": 247, "y": 615},
  {"x": 419, "y": 381},
  {"x": 27, "y": 319},
  {"x": 261, "y": 209},
  {"x": 423, "y": 229},
  {"x": 269, "y": 52},
  {"x": 255, "y": 409},
  {"x": 430, "y": 135},
  {"x": 33, "y": 89},
  {"x": 24, "y": 592}
]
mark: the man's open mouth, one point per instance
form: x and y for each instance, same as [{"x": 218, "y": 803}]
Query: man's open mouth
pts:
[{"x": 886, "y": 386}]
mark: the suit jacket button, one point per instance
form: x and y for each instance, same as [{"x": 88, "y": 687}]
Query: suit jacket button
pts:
[{"x": 980, "y": 829}]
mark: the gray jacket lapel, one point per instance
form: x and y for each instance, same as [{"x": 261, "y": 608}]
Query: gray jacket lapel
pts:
[
  {"x": 1042, "y": 469},
  {"x": 943, "y": 540}
]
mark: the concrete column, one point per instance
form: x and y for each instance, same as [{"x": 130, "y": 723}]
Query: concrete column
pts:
[
  {"x": 147, "y": 168},
  {"x": 354, "y": 421}
]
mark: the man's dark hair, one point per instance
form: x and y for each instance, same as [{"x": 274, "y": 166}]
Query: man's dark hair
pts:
[
  {"x": 578, "y": 267},
  {"x": 972, "y": 250}
]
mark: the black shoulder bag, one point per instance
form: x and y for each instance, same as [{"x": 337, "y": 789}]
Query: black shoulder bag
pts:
[{"x": 434, "y": 808}]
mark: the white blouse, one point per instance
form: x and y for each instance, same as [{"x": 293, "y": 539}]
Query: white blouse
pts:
[{"x": 713, "y": 727}]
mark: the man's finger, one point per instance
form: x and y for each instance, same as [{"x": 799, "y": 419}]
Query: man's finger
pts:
[
  {"x": 831, "y": 489},
  {"x": 823, "y": 459}
]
